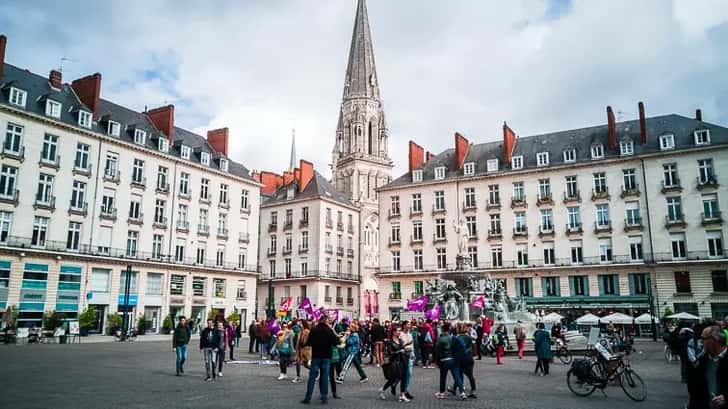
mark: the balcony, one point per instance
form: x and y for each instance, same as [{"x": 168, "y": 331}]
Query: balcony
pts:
[
  {"x": 11, "y": 198},
  {"x": 711, "y": 182},
  {"x": 48, "y": 203},
  {"x": 632, "y": 191},
  {"x": 302, "y": 249},
  {"x": 139, "y": 183},
  {"x": 203, "y": 229},
  {"x": 572, "y": 197},
  {"x": 223, "y": 205},
  {"x": 350, "y": 253},
  {"x": 83, "y": 171},
  {"x": 112, "y": 176},
  {"x": 329, "y": 223},
  {"x": 108, "y": 213},
  {"x": 603, "y": 227},
  {"x": 271, "y": 251},
  {"x": 416, "y": 294},
  {"x": 544, "y": 200},
  {"x": 711, "y": 219},
  {"x": 600, "y": 194},
  {"x": 184, "y": 194},
  {"x": 183, "y": 226},
  {"x": 327, "y": 299},
  {"x": 495, "y": 234},
  {"x": 329, "y": 249},
  {"x": 546, "y": 230},
  {"x": 675, "y": 221},
  {"x": 394, "y": 242},
  {"x": 671, "y": 187},
  {"x": 340, "y": 251},
  {"x": 520, "y": 232},
  {"x": 470, "y": 205},
  {"x": 349, "y": 301},
  {"x": 395, "y": 296},
  {"x": 244, "y": 237},
  {"x": 633, "y": 224},
  {"x": 288, "y": 225},
  {"x": 339, "y": 300},
  {"x": 162, "y": 188},
  {"x": 303, "y": 223},
  {"x": 493, "y": 205},
  {"x": 137, "y": 219},
  {"x": 272, "y": 227},
  {"x": 160, "y": 222},
  {"x": 574, "y": 229},
  {"x": 245, "y": 209},
  {"x": 286, "y": 250},
  {"x": 393, "y": 213},
  {"x": 438, "y": 209},
  {"x": 437, "y": 238},
  {"x": 518, "y": 202},
  {"x": 222, "y": 233},
  {"x": 415, "y": 212},
  {"x": 416, "y": 240},
  {"x": 18, "y": 155},
  {"x": 50, "y": 163}
]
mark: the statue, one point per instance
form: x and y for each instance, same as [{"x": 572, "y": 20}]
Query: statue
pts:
[
  {"x": 446, "y": 294},
  {"x": 461, "y": 230}
]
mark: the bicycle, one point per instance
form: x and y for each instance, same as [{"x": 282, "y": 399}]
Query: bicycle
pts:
[
  {"x": 129, "y": 335},
  {"x": 671, "y": 356},
  {"x": 563, "y": 353},
  {"x": 586, "y": 375}
]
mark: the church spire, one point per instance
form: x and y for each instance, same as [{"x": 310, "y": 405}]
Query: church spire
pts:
[
  {"x": 361, "y": 72},
  {"x": 292, "y": 165}
]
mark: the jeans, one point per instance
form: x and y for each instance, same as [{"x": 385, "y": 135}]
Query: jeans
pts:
[
  {"x": 408, "y": 362},
  {"x": 210, "y": 363},
  {"x": 283, "y": 361},
  {"x": 324, "y": 366},
  {"x": 251, "y": 344},
  {"x": 416, "y": 350},
  {"x": 450, "y": 365},
  {"x": 426, "y": 354},
  {"x": 181, "y": 357},
  {"x": 220, "y": 359},
  {"x": 231, "y": 346},
  {"x": 521, "y": 343}
]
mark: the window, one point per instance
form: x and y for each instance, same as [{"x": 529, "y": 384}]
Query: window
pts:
[
  {"x": 162, "y": 173},
  {"x": 702, "y": 136},
  {"x": 112, "y": 165},
  {"x": 574, "y": 216},
  {"x": 469, "y": 197},
  {"x": 395, "y": 234},
  {"x": 396, "y": 266},
  {"x": 473, "y": 254},
  {"x": 572, "y": 189},
  {"x": 417, "y": 231},
  {"x": 245, "y": 205},
  {"x": 184, "y": 183},
  {"x": 517, "y": 162},
  {"x": 417, "y": 175},
  {"x": 626, "y": 147},
  {"x": 200, "y": 256},
  {"x": 720, "y": 281},
  {"x": 182, "y": 213},
  {"x": 491, "y": 165},
  {"x": 241, "y": 259},
  {"x": 577, "y": 254},
  {"x": 519, "y": 222},
  {"x": 609, "y": 284},
  {"x": 417, "y": 202},
  {"x": 580, "y": 285},
  {"x": 440, "y": 228},
  {"x": 157, "y": 243},
  {"x": 597, "y": 151},
  {"x": 418, "y": 260},
  {"x": 176, "y": 284},
  {"x": 600, "y": 183},
  {"x": 544, "y": 189},
  {"x": 551, "y": 286},
  {"x": 18, "y": 97},
  {"x": 493, "y": 195},
  {"x": 154, "y": 284},
  {"x": 523, "y": 287},
  {"x": 137, "y": 173},
  {"x": 518, "y": 192},
  {"x": 179, "y": 250},
  {"x": 6, "y": 222},
  {"x": 715, "y": 243},
  {"x": 635, "y": 248},
  {"x": 8, "y": 175},
  {"x": 605, "y": 250},
  {"x": 630, "y": 180},
  {"x": 85, "y": 119},
  {"x": 99, "y": 282},
  {"x": 570, "y": 155},
  {"x": 682, "y": 282},
  {"x": 304, "y": 240},
  {"x": 547, "y": 224},
  {"x": 78, "y": 195},
  {"x": 705, "y": 171},
  {"x": 49, "y": 153},
  {"x": 674, "y": 209},
  {"x": 394, "y": 205},
  {"x": 440, "y": 173},
  {"x": 439, "y": 200},
  {"x": 185, "y": 151},
  {"x": 44, "y": 195},
  {"x": 542, "y": 159},
  {"x": 219, "y": 287},
  {"x": 495, "y": 224},
  {"x": 470, "y": 221},
  {"x": 677, "y": 241},
  {"x": 522, "y": 255},
  {"x": 549, "y": 254},
  {"x": 82, "y": 156},
  {"x": 632, "y": 211},
  {"x": 73, "y": 240},
  {"x": 113, "y": 128},
  {"x": 205, "y": 189},
  {"x": 140, "y": 137},
  {"x": 667, "y": 141},
  {"x": 13, "y": 139},
  {"x": 135, "y": 208},
  {"x": 638, "y": 284},
  {"x": 669, "y": 173},
  {"x": 53, "y": 108},
  {"x": 107, "y": 202},
  {"x": 441, "y": 258},
  {"x": 198, "y": 286},
  {"x": 223, "y": 193},
  {"x": 159, "y": 207},
  {"x": 469, "y": 169},
  {"x": 163, "y": 144},
  {"x": 205, "y": 158},
  {"x": 132, "y": 240},
  {"x": 496, "y": 256},
  {"x": 223, "y": 165},
  {"x": 710, "y": 207}
]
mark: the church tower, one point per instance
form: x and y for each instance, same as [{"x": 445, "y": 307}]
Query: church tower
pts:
[{"x": 361, "y": 160}]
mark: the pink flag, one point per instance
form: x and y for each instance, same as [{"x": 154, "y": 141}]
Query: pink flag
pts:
[
  {"x": 478, "y": 302},
  {"x": 417, "y": 304},
  {"x": 286, "y": 304},
  {"x": 434, "y": 313},
  {"x": 317, "y": 313},
  {"x": 306, "y": 306},
  {"x": 367, "y": 302}
]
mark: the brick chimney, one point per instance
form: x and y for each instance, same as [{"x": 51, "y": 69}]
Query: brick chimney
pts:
[
  {"x": 699, "y": 115},
  {"x": 306, "y": 174},
  {"x": 218, "y": 139},
  {"x": 509, "y": 143},
  {"x": 643, "y": 123},
  {"x": 612, "y": 129},
  {"x": 416, "y": 156},
  {"x": 163, "y": 119},
  {"x": 429, "y": 156},
  {"x": 3, "y": 44},
  {"x": 88, "y": 90},
  {"x": 56, "y": 79},
  {"x": 462, "y": 146},
  {"x": 270, "y": 181},
  {"x": 287, "y": 177}
]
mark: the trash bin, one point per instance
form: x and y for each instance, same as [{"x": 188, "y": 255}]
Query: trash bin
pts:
[{"x": 62, "y": 339}]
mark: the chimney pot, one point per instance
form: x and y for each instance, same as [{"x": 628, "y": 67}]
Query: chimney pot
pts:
[
  {"x": 163, "y": 119},
  {"x": 698, "y": 115},
  {"x": 612, "y": 129},
  {"x": 643, "y": 123},
  {"x": 56, "y": 79},
  {"x": 416, "y": 156},
  {"x": 88, "y": 90},
  {"x": 219, "y": 139},
  {"x": 3, "y": 44}
]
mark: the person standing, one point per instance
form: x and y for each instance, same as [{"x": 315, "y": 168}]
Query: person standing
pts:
[
  {"x": 209, "y": 344},
  {"x": 378, "y": 335},
  {"x": 708, "y": 380},
  {"x": 408, "y": 357},
  {"x": 542, "y": 344},
  {"x": 222, "y": 333},
  {"x": 303, "y": 352},
  {"x": 252, "y": 331},
  {"x": 447, "y": 363},
  {"x": 415, "y": 334},
  {"x": 238, "y": 334},
  {"x": 479, "y": 340},
  {"x": 230, "y": 337},
  {"x": 180, "y": 339},
  {"x": 519, "y": 331},
  {"x": 395, "y": 367},
  {"x": 428, "y": 342},
  {"x": 501, "y": 338},
  {"x": 321, "y": 339},
  {"x": 463, "y": 353},
  {"x": 285, "y": 349}
]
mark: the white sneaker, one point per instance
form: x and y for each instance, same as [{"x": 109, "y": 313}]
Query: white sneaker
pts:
[
  {"x": 282, "y": 377},
  {"x": 296, "y": 380},
  {"x": 382, "y": 396},
  {"x": 220, "y": 374},
  {"x": 403, "y": 398}
]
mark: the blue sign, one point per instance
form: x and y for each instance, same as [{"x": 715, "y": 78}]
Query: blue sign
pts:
[
  {"x": 89, "y": 295},
  {"x": 132, "y": 299}
]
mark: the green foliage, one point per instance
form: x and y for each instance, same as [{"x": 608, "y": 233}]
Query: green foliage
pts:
[
  {"x": 87, "y": 319},
  {"x": 666, "y": 313},
  {"x": 168, "y": 323},
  {"x": 142, "y": 324},
  {"x": 114, "y": 321},
  {"x": 233, "y": 317},
  {"x": 212, "y": 314},
  {"x": 11, "y": 316},
  {"x": 52, "y": 320}
]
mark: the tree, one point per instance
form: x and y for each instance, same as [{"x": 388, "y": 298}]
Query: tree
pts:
[{"x": 52, "y": 320}]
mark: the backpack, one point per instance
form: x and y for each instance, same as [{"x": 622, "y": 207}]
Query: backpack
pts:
[
  {"x": 284, "y": 349},
  {"x": 428, "y": 337},
  {"x": 581, "y": 368}
]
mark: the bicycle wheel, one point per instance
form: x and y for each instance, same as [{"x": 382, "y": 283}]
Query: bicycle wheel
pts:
[
  {"x": 565, "y": 356},
  {"x": 632, "y": 385},
  {"x": 577, "y": 387},
  {"x": 668, "y": 354}
]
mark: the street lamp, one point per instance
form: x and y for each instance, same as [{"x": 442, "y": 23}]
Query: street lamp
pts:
[{"x": 270, "y": 313}]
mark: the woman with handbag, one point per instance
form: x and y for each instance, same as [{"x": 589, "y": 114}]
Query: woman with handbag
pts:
[
  {"x": 285, "y": 349},
  {"x": 393, "y": 370}
]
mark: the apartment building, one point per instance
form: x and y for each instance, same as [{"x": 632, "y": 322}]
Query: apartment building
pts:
[
  {"x": 88, "y": 187},
  {"x": 620, "y": 217}
]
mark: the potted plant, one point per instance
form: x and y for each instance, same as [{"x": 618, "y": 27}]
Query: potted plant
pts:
[
  {"x": 167, "y": 325},
  {"x": 212, "y": 315},
  {"x": 114, "y": 322},
  {"x": 87, "y": 320},
  {"x": 52, "y": 320},
  {"x": 142, "y": 325}
]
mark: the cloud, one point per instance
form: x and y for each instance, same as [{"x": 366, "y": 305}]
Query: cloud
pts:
[{"x": 265, "y": 67}]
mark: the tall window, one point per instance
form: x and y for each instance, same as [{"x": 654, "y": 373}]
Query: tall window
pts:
[
  {"x": 635, "y": 248},
  {"x": 544, "y": 189},
  {"x": 715, "y": 243},
  {"x": 223, "y": 194},
  {"x": 469, "y": 198},
  {"x": 394, "y": 205},
  {"x": 523, "y": 287},
  {"x": 577, "y": 255},
  {"x": 112, "y": 164},
  {"x": 682, "y": 282},
  {"x": 439, "y": 200},
  {"x": 132, "y": 241},
  {"x": 574, "y": 216},
  {"x": 495, "y": 223},
  {"x": 219, "y": 287},
  {"x": 710, "y": 207},
  {"x": 493, "y": 195},
  {"x": 40, "y": 231},
  {"x": 551, "y": 286},
  {"x": 418, "y": 260},
  {"x": 572, "y": 189},
  {"x": 6, "y": 222},
  {"x": 49, "y": 153},
  {"x": 82, "y": 156},
  {"x": 547, "y": 224},
  {"x": 496, "y": 256},
  {"x": 630, "y": 179},
  {"x": 176, "y": 284},
  {"x": 473, "y": 254},
  {"x": 580, "y": 285},
  {"x": 162, "y": 177},
  {"x": 396, "y": 266},
  {"x": 184, "y": 183},
  {"x": 395, "y": 233},
  {"x": 677, "y": 242},
  {"x": 304, "y": 240},
  {"x": 705, "y": 171},
  {"x": 549, "y": 254},
  {"x": 674, "y": 209},
  {"x": 600, "y": 182},
  {"x": 417, "y": 230},
  {"x": 605, "y": 250},
  {"x": 13, "y": 139},
  {"x": 417, "y": 202},
  {"x": 8, "y": 175},
  {"x": 78, "y": 194},
  {"x": 159, "y": 207},
  {"x": 44, "y": 194},
  {"x": 244, "y": 199},
  {"x": 522, "y": 255},
  {"x": 157, "y": 242},
  {"x": 602, "y": 215},
  {"x": 137, "y": 173},
  {"x": 135, "y": 208},
  {"x": 200, "y": 256},
  {"x": 632, "y": 211},
  {"x": 520, "y": 222},
  {"x": 470, "y": 221},
  {"x": 73, "y": 240},
  {"x": 609, "y": 284},
  {"x": 440, "y": 228},
  {"x": 669, "y": 175},
  {"x": 518, "y": 193},
  {"x": 441, "y": 258}
]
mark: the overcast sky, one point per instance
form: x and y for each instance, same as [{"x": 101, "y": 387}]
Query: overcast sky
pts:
[{"x": 265, "y": 67}]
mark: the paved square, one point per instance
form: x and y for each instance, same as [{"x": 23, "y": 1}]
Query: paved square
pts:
[{"x": 141, "y": 375}]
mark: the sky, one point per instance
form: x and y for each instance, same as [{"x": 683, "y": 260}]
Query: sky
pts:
[{"x": 265, "y": 67}]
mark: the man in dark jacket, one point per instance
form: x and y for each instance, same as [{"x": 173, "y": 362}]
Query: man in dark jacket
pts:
[
  {"x": 252, "y": 329},
  {"x": 180, "y": 339},
  {"x": 209, "y": 346},
  {"x": 708, "y": 380},
  {"x": 321, "y": 340},
  {"x": 378, "y": 334}
]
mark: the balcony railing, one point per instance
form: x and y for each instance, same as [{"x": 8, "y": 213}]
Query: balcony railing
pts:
[
  {"x": 140, "y": 183},
  {"x": 185, "y": 194},
  {"x": 222, "y": 233},
  {"x": 340, "y": 251},
  {"x": 675, "y": 221},
  {"x": 574, "y": 197},
  {"x": 349, "y": 301},
  {"x": 183, "y": 226},
  {"x": 439, "y": 238},
  {"x": 350, "y": 253},
  {"x": 393, "y": 213},
  {"x": 340, "y": 300},
  {"x": 303, "y": 223},
  {"x": 632, "y": 191},
  {"x": 84, "y": 171},
  {"x": 603, "y": 227},
  {"x": 520, "y": 231},
  {"x": 395, "y": 296},
  {"x": 328, "y": 248},
  {"x": 518, "y": 202},
  {"x": 204, "y": 198},
  {"x": 350, "y": 229},
  {"x": 340, "y": 226},
  {"x": 602, "y": 194},
  {"x": 415, "y": 212},
  {"x": 286, "y": 250},
  {"x": 288, "y": 225},
  {"x": 707, "y": 183},
  {"x": 18, "y": 155},
  {"x": 545, "y": 199},
  {"x": 327, "y": 299},
  {"x": 162, "y": 188},
  {"x": 438, "y": 209},
  {"x": 416, "y": 240},
  {"x": 546, "y": 230},
  {"x": 671, "y": 187},
  {"x": 493, "y": 205},
  {"x": 713, "y": 218},
  {"x": 112, "y": 176},
  {"x": 108, "y": 213},
  {"x": 203, "y": 229},
  {"x": 11, "y": 198},
  {"x": 302, "y": 249},
  {"x": 223, "y": 205},
  {"x": 271, "y": 251},
  {"x": 575, "y": 228},
  {"x": 495, "y": 234},
  {"x": 245, "y": 209},
  {"x": 137, "y": 219},
  {"x": 244, "y": 237},
  {"x": 160, "y": 222},
  {"x": 312, "y": 274},
  {"x": 272, "y": 227},
  {"x": 329, "y": 223},
  {"x": 633, "y": 224},
  {"x": 48, "y": 203},
  {"x": 470, "y": 205},
  {"x": 394, "y": 241},
  {"x": 51, "y": 163}
]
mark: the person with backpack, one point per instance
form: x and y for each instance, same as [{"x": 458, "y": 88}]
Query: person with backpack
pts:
[
  {"x": 302, "y": 351},
  {"x": 500, "y": 338},
  {"x": 428, "y": 342},
  {"x": 447, "y": 363},
  {"x": 519, "y": 331},
  {"x": 463, "y": 353},
  {"x": 285, "y": 349},
  {"x": 542, "y": 343}
]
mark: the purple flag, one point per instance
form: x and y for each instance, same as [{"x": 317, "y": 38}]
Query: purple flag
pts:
[
  {"x": 478, "y": 302},
  {"x": 417, "y": 304},
  {"x": 434, "y": 313},
  {"x": 333, "y": 314},
  {"x": 273, "y": 326},
  {"x": 317, "y": 313},
  {"x": 306, "y": 306}
]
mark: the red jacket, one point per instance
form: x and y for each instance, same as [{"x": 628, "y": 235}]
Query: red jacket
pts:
[
  {"x": 487, "y": 323},
  {"x": 424, "y": 330}
]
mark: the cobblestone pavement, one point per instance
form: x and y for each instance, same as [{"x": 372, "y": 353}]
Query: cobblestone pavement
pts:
[{"x": 141, "y": 375}]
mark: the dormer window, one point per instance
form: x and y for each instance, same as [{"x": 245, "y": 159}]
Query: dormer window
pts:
[
  {"x": 667, "y": 141},
  {"x": 570, "y": 155},
  {"x": 53, "y": 108},
  {"x": 18, "y": 97},
  {"x": 626, "y": 147},
  {"x": 542, "y": 159},
  {"x": 702, "y": 137},
  {"x": 140, "y": 137},
  {"x": 517, "y": 162},
  {"x": 113, "y": 128},
  {"x": 185, "y": 151},
  {"x": 439, "y": 173},
  {"x": 469, "y": 169},
  {"x": 417, "y": 175},
  {"x": 205, "y": 158},
  {"x": 597, "y": 151},
  {"x": 163, "y": 145},
  {"x": 492, "y": 165},
  {"x": 85, "y": 119},
  {"x": 223, "y": 165}
]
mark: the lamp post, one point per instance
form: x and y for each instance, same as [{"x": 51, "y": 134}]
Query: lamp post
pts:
[
  {"x": 269, "y": 309},
  {"x": 652, "y": 310},
  {"x": 125, "y": 318}
]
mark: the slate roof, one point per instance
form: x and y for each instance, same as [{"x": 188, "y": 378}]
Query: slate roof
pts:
[
  {"x": 581, "y": 139},
  {"x": 319, "y": 187},
  {"x": 38, "y": 89}
]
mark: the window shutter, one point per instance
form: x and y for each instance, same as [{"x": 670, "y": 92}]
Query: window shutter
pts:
[
  {"x": 615, "y": 279},
  {"x": 571, "y": 286},
  {"x": 600, "y": 279},
  {"x": 558, "y": 286},
  {"x": 631, "y": 277},
  {"x": 586, "y": 286}
]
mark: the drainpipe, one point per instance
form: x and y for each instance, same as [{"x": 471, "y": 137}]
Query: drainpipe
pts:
[{"x": 652, "y": 252}]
